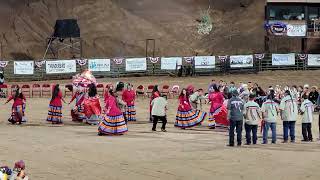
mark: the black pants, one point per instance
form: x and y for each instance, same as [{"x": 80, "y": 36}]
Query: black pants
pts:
[
  {"x": 306, "y": 131},
  {"x": 156, "y": 119},
  {"x": 125, "y": 117},
  {"x": 238, "y": 126},
  {"x": 249, "y": 129}
]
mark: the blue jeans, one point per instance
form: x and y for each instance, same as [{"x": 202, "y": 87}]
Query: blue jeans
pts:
[
  {"x": 254, "y": 130},
  {"x": 266, "y": 127},
  {"x": 289, "y": 125}
]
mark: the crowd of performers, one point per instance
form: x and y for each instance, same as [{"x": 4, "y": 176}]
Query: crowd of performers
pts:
[{"x": 232, "y": 107}]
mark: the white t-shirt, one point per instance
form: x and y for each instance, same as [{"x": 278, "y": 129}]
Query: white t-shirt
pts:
[
  {"x": 159, "y": 106},
  {"x": 269, "y": 108},
  {"x": 289, "y": 109},
  {"x": 307, "y": 109}
]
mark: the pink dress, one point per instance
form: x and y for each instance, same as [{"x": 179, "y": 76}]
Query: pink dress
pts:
[{"x": 218, "y": 112}]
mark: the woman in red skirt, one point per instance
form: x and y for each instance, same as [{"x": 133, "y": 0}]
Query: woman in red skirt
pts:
[
  {"x": 218, "y": 112},
  {"x": 128, "y": 96},
  {"x": 186, "y": 116},
  {"x": 55, "y": 106},
  {"x": 18, "y": 107}
]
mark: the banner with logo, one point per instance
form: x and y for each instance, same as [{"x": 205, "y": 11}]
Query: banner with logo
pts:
[
  {"x": 23, "y": 67},
  {"x": 61, "y": 66},
  {"x": 241, "y": 61},
  {"x": 313, "y": 59},
  {"x": 283, "y": 59},
  {"x": 296, "y": 30},
  {"x": 171, "y": 63},
  {"x": 136, "y": 64},
  {"x": 204, "y": 62},
  {"x": 99, "y": 65}
]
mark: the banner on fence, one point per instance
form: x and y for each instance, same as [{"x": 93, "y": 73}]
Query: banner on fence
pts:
[
  {"x": 283, "y": 59},
  {"x": 204, "y": 62},
  {"x": 23, "y": 67},
  {"x": 313, "y": 59},
  {"x": 136, "y": 64},
  {"x": 99, "y": 65},
  {"x": 296, "y": 30},
  {"x": 241, "y": 61},
  {"x": 61, "y": 66},
  {"x": 170, "y": 63}
]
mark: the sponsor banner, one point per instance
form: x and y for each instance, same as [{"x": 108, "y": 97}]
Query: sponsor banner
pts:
[
  {"x": 23, "y": 67},
  {"x": 313, "y": 59},
  {"x": 61, "y": 66},
  {"x": 283, "y": 59},
  {"x": 296, "y": 30},
  {"x": 136, "y": 64},
  {"x": 204, "y": 62},
  {"x": 241, "y": 61},
  {"x": 171, "y": 63},
  {"x": 99, "y": 65}
]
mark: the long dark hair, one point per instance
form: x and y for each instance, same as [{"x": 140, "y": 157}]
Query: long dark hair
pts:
[
  {"x": 55, "y": 92},
  {"x": 155, "y": 89},
  {"x": 289, "y": 93},
  {"x": 17, "y": 94},
  {"x": 92, "y": 90},
  {"x": 215, "y": 88},
  {"x": 111, "y": 93},
  {"x": 181, "y": 93}
]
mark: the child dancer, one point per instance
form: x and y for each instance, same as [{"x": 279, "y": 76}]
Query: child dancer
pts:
[
  {"x": 128, "y": 96},
  {"x": 77, "y": 113},
  {"x": 18, "y": 107},
  {"x": 55, "y": 106},
  {"x": 114, "y": 122},
  {"x": 289, "y": 113},
  {"x": 306, "y": 110},
  {"x": 218, "y": 113},
  {"x": 252, "y": 116},
  {"x": 270, "y": 110},
  {"x": 92, "y": 106},
  {"x": 186, "y": 116}
]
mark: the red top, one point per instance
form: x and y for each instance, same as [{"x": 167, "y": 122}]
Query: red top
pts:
[
  {"x": 57, "y": 101},
  {"x": 129, "y": 96},
  {"x": 216, "y": 99},
  {"x": 113, "y": 109},
  {"x": 184, "y": 103},
  {"x": 92, "y": 106},
  {"x": 18, "y": 101}
]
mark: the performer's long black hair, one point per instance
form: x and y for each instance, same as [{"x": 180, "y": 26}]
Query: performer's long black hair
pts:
[
  {"x": 92, "y": 90},
  {"x": 55, "y": 92}
]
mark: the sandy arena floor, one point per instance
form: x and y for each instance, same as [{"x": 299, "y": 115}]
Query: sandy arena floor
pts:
[{"x": 74, "y": 151}]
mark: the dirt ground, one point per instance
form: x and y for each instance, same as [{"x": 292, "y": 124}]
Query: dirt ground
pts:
[{"x": 74, "y": 151}]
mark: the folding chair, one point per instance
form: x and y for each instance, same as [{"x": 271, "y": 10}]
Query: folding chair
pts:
[
  {"x": 26, "y": 90},
  {"x": 36, "y": 89},
  {"x": 46, "y": 90}
]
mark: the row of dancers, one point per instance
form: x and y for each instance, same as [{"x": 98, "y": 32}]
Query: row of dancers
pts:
[{"x": 231, "y": 107}]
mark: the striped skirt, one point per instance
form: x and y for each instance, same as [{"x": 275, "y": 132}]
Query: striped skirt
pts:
[
  {"x": 17, "y": 114},
  {"x": 55, "y": 114},
  {"x": 131, "y": 113},
  {"x": 94, "y": 119},
  {"x": 191, "y": 118},
  {"x": 113, "y": 125},
  {"x": 218, "y": 118},
  {"x": 77, "y": 113}
]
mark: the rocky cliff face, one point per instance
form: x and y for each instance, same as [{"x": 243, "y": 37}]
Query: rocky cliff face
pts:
[{"x": 120, "y": 27}]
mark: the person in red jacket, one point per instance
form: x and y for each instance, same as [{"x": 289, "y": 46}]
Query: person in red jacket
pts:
[
  {"x": 18, "y": 107},
  {"x": 218, "y": 112},
  {"x": 186, "y": 116},
  {"x": 55, "y": 106},
  {"x": 129, "y": 96}
]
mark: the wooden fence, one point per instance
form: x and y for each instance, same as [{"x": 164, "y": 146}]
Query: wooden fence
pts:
[{"x": 154, "y": 69}]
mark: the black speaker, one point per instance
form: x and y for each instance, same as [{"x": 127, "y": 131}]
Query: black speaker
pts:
[{"x": 66, "y": 28}]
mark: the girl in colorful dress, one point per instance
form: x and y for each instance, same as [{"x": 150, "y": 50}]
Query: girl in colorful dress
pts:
[
  {"x": 113, "y": 122},
  {"x": 155, "y": 93},
  {"x": 55, "y": 106},
  {"x": 218, "y": 112},
  {"x": 92, "y": 108},
  {"x": 77, "y": 113},
  {"x": 186, "y": 116},
  {"x": 128, "y": 96},
  {"x": 18, "y": 107}
]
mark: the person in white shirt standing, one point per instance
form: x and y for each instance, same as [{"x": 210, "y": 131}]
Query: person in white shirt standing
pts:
[
  {"x": 252, "y": 117},
  {"x": 306, "y": 110},
  {"x": 158, "y": 112},
  {"x": 289, "y": 113},
  {"x": 270, "y": 111}
]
